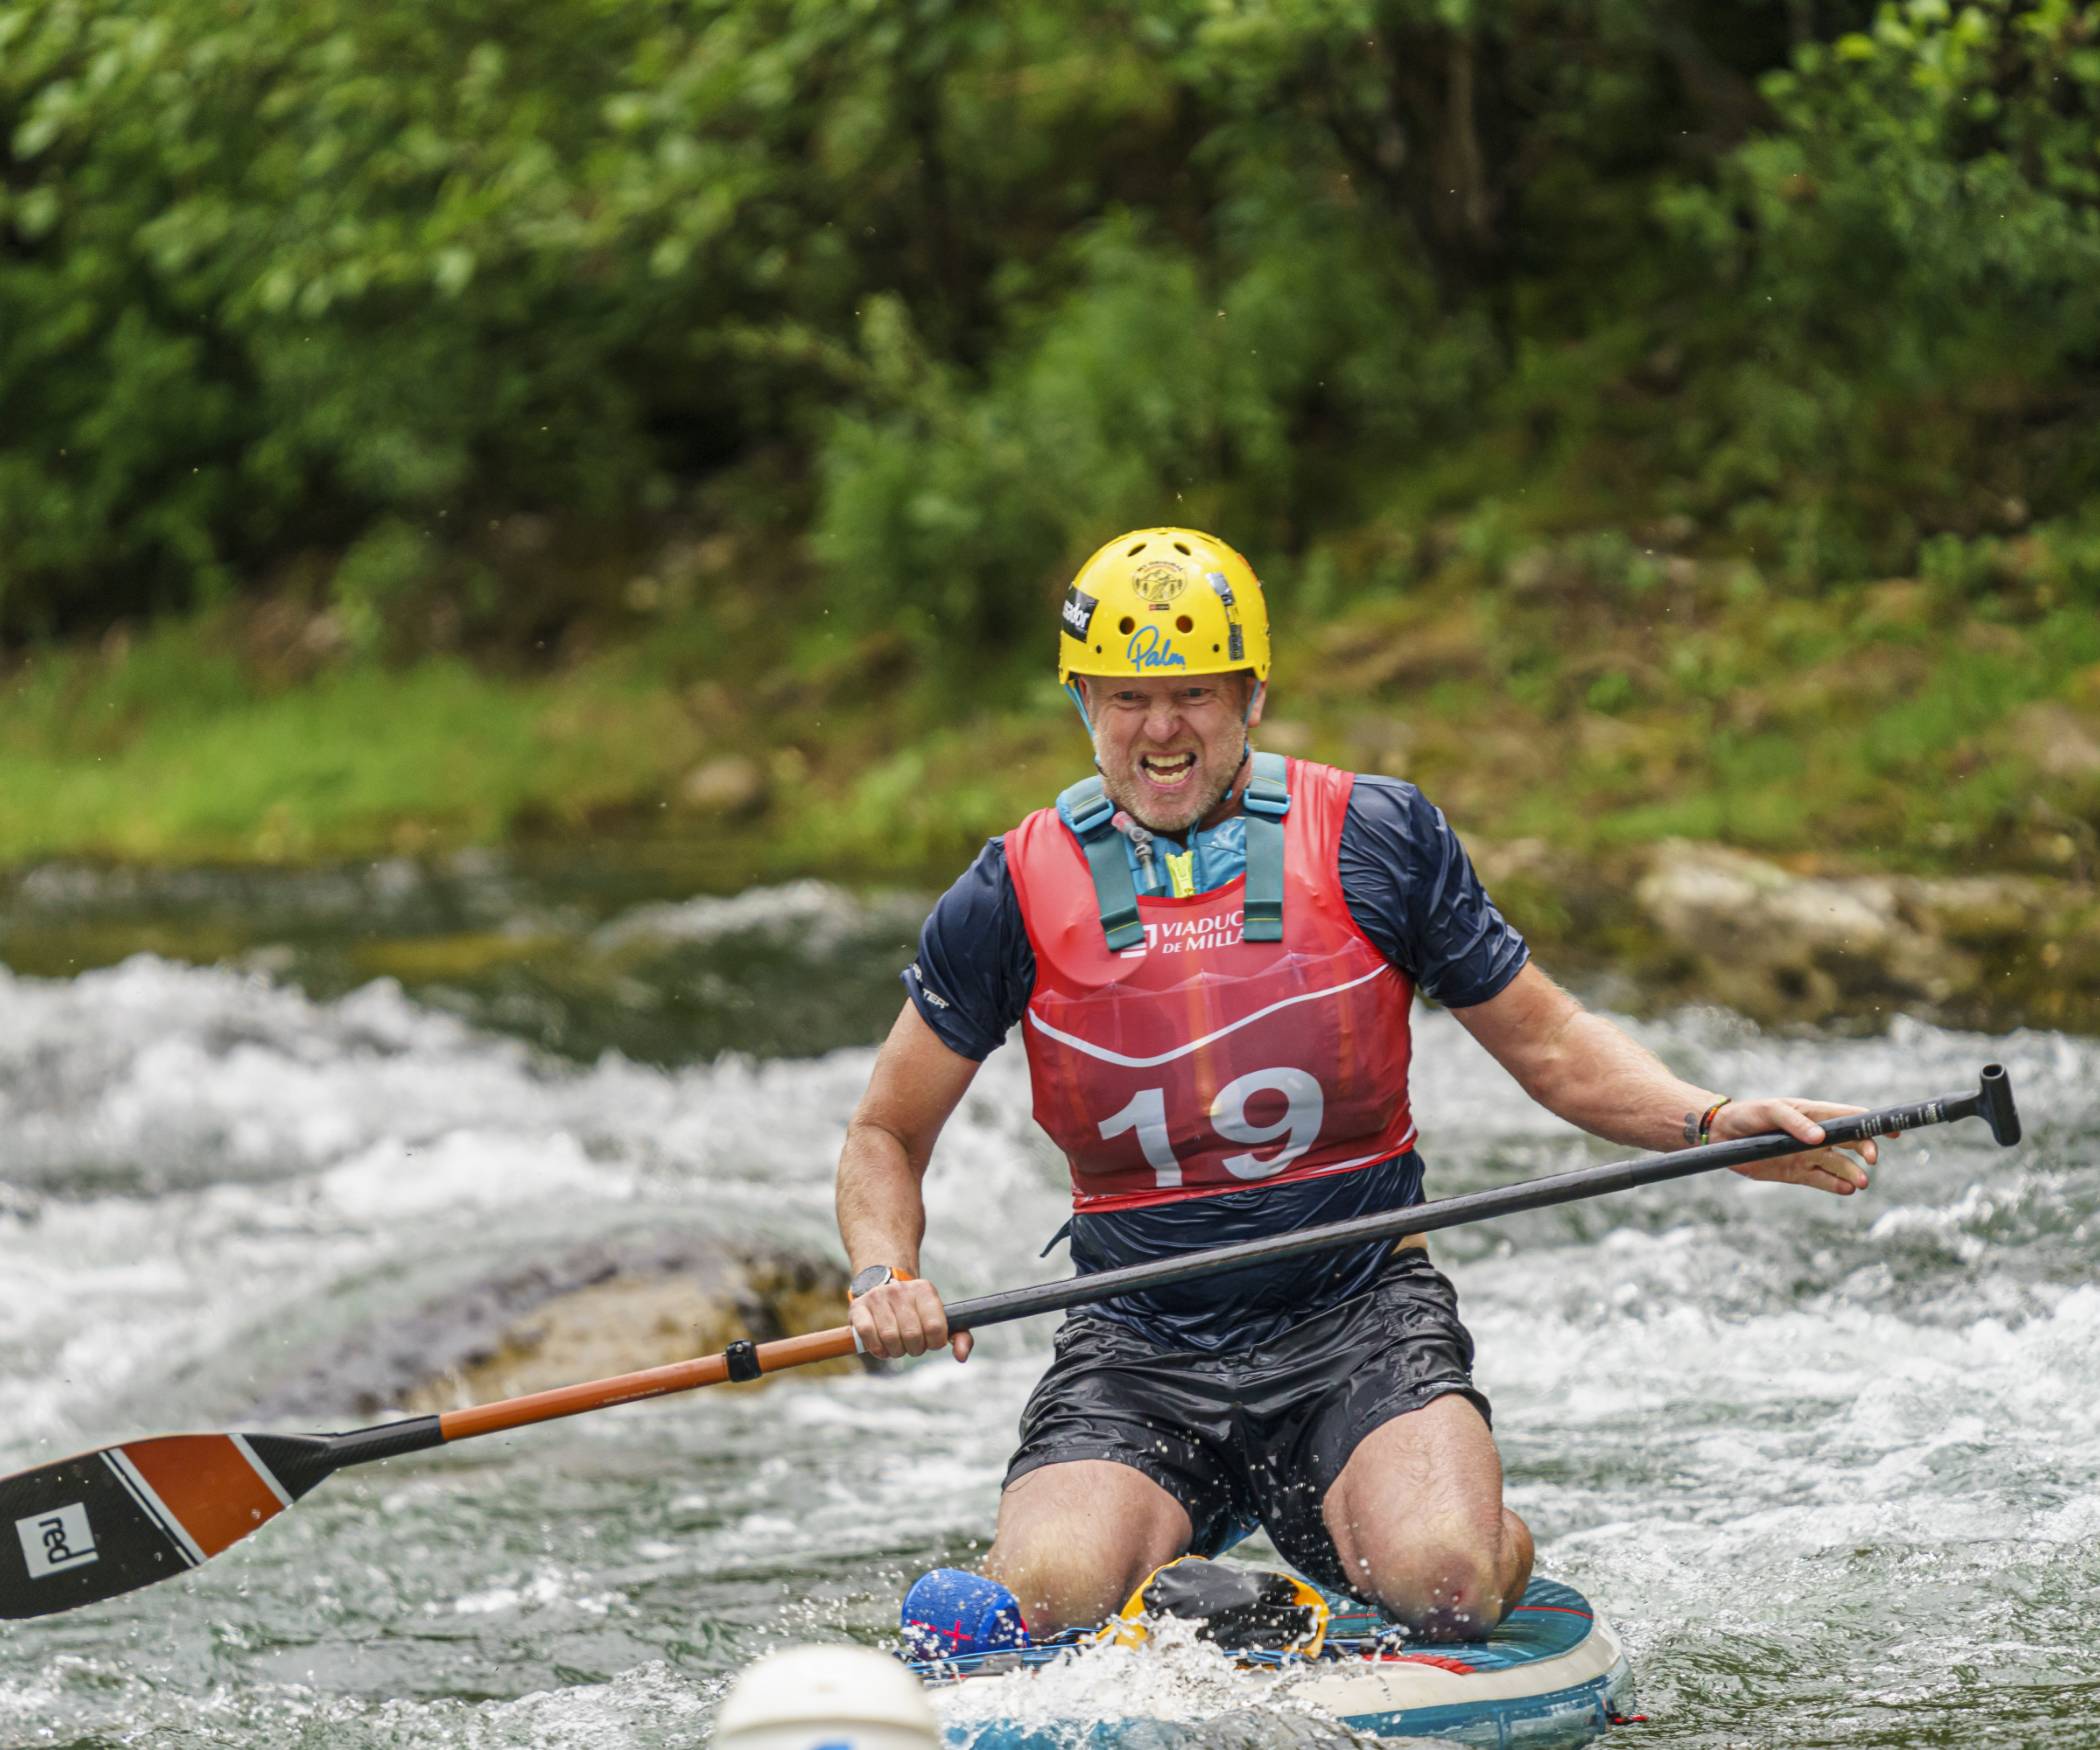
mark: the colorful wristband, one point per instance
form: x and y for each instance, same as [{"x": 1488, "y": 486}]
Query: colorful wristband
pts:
[{"x": 1706, "y": 1122}]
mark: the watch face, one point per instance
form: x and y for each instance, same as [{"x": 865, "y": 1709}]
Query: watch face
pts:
[{"x": 874, "y": 1276}]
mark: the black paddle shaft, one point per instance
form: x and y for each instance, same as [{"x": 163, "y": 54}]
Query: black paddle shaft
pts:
[{"x": 1992, "y": 1101}]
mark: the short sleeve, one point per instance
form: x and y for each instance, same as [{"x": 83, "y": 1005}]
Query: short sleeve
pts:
[
  {"x": 975, "y": 968},
  {"x": 1411, "y": 889}
]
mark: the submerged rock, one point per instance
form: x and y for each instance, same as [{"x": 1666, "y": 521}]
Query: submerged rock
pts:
[{"x": 606, "y": 1308}]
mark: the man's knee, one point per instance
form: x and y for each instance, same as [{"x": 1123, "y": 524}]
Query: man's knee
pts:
[
  {"x": 1441, "y": 1590},
  {"x": 1075, "y": 1539},
  {"x": 1062, "y": 1583}
]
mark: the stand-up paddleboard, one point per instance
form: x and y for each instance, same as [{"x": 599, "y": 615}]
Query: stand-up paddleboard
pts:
[{"x": 1552, "y": 1674}]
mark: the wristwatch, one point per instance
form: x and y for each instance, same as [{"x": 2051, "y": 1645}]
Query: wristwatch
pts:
[{"x": 873, "y": 1277}]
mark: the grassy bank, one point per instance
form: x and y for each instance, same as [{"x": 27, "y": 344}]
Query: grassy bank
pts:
[{"x": 1589, "y": 695}]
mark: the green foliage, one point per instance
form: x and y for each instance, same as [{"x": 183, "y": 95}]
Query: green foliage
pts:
[
  {"x": 2054, "y": 563},
  {"x": 299, "y": 287},
  {"x": 1249, "y": 339},
  {"x": 1908, "y": 254},
  {"x": 1158, "y": 386},
  {"x": 169, "y": 747},
  {"x": 388, "y": 561},
  {"x": 277, "y": 272},
  {"x": 283, "y": 260},
  {"x": 1902, "y": 724}
]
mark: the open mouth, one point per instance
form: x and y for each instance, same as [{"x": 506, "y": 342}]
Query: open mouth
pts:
[{"x": 1168, "y": 771}]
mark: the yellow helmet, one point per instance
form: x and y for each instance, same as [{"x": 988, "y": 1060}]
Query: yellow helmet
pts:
[{"x": 1159, "y": 602}]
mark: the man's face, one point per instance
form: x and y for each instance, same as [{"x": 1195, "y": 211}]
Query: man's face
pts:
[{"x": 1169, "y": 750}]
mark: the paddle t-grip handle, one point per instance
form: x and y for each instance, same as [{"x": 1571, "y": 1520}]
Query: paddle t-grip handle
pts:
[
  {"x": 1996, "y": 1105},
  {"x": 1992, "y": 1102}
]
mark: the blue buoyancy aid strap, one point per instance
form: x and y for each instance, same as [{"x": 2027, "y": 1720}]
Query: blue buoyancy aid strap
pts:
[
  {"x": 1267, "y": 800},
  {"x": 1091, "y": 816}
]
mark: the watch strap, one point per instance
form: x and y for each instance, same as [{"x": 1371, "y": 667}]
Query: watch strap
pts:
[{"x": 894, "y": 1275}]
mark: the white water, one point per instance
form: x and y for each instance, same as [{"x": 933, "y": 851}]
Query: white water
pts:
[{"x": 1830, "y": 1464}]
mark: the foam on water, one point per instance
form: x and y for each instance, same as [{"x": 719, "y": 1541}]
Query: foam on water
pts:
[
  {"x": 808, "y": 909},
  {"x": 1175, "y": 1680},
  {"x": 215, "y": 1146}
]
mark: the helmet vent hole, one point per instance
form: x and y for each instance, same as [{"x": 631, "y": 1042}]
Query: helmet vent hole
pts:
[
  {"x": 1182, "y": 623},
  {"x": 1126, "y": 625},
  {"x": 1183, "y": 547},
  {"x": 1133, "y": 552}
]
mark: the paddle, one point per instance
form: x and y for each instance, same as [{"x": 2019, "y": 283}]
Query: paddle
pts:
[{"x": 102, "y": 1523}]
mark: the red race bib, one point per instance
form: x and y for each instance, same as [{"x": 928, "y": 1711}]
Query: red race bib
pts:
[{"x": 1202, "y": 1062}]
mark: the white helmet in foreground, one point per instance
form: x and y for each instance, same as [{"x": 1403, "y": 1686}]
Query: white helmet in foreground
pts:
[{"x": 826, "y": 1698}]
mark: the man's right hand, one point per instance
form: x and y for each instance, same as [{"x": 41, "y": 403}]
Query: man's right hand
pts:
[{"x": 904, "y": 1318}]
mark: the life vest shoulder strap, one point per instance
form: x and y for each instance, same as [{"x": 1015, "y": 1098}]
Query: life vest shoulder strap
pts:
[
  {"x": 1267, "y": 801},
  {"x": 1086, "y": 810}
]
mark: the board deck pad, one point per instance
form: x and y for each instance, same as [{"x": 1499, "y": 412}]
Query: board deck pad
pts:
[{"x": 1551, "y": 1674}]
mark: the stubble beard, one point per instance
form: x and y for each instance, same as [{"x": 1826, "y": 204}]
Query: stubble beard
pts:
[{"x": 1122, "y": 791}]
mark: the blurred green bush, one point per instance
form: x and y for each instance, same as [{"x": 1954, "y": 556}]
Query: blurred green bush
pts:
[
  {"x": 288, "y": 284},
  {"x": 1904, "y": 337}
]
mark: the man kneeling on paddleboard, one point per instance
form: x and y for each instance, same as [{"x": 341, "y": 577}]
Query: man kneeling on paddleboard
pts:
[{"x": 1211, "y": 953}]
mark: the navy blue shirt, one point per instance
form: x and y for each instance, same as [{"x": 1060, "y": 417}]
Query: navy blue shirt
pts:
[{"x": 1411, "y": 889}]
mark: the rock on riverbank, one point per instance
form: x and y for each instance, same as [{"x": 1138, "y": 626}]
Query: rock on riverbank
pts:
[{"x": 1704, "y": 922}]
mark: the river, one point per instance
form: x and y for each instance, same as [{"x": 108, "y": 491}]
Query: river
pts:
[{"x": 1832, "y": 1466}]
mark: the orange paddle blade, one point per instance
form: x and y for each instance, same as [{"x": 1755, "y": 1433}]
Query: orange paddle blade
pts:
[{"x": 101, "y": 1523}]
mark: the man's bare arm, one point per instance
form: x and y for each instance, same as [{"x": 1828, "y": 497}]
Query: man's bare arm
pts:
[
  {"x": 916, "y": 1084},
  {"x": 1581, "y": 1067}
]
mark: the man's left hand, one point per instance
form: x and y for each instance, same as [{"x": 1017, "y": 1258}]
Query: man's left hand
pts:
[{"x": 1826, "y": 1169}]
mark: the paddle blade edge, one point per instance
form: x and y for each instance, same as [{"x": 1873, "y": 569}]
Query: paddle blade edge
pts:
[{"x": 102, "y": 1523}]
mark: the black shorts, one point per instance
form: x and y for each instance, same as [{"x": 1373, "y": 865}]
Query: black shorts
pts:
[{"x": 1254, "y": 1436}]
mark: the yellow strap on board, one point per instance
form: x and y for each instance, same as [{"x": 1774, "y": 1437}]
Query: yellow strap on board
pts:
[{"x": 1238, "y": 1608}]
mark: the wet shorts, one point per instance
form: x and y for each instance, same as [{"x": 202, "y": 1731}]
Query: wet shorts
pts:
[{"x": 1254, "y": 1436}]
